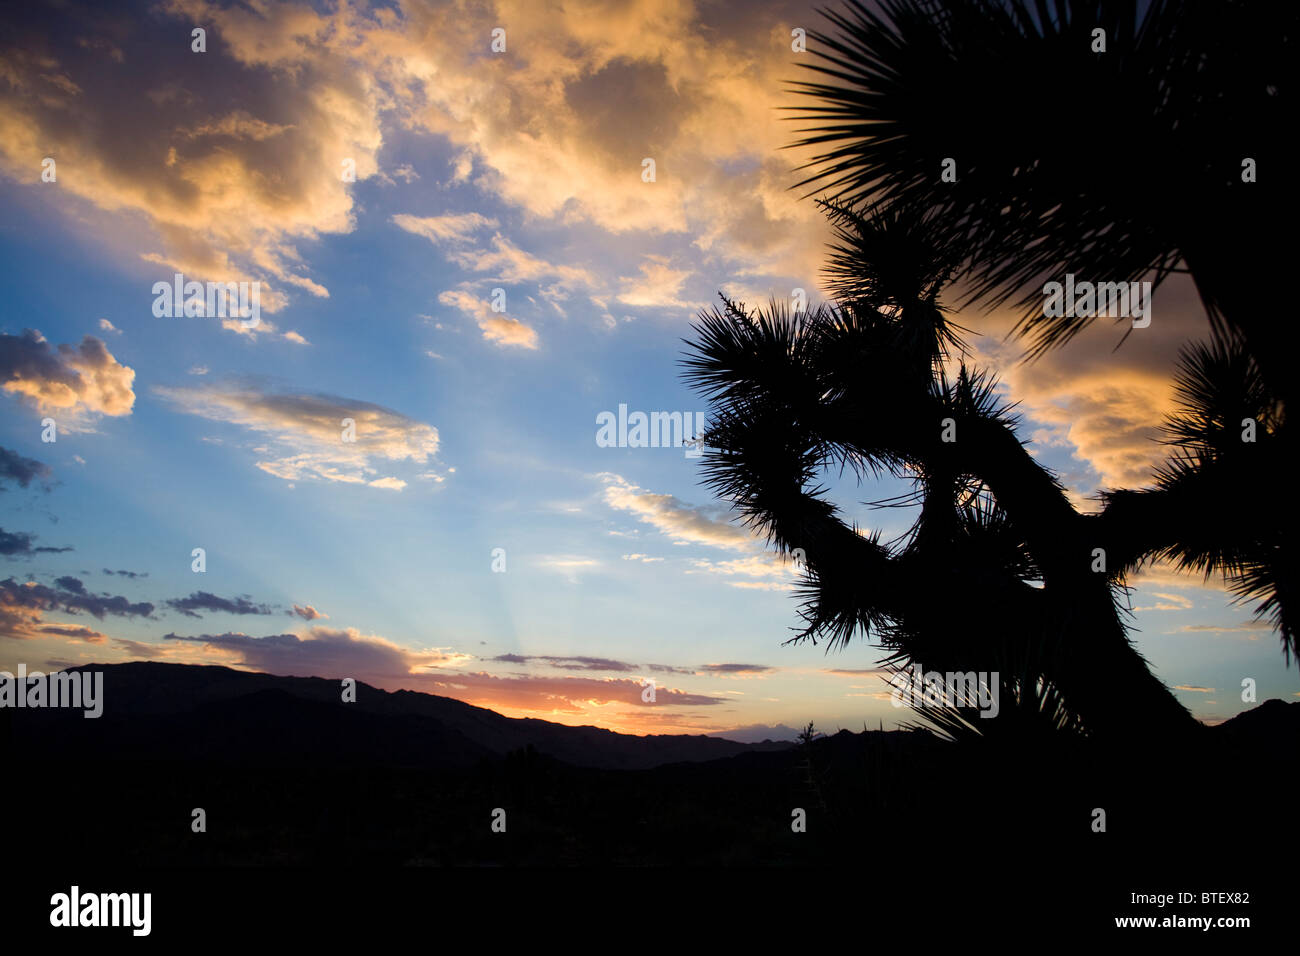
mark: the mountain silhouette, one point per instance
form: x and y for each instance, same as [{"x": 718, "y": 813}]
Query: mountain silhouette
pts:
[{"x": 165, "y": 711}]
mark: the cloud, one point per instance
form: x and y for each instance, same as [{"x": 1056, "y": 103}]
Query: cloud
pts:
[
  {"x": 593, "y": 91},
  {"x": 17, "y": 621},
  {"x": 736, "y": 670},
  {"x": 657, "y": 286},
  {"x": 18, "y": 544},
  {"x": 577, "y": 663},
  {"x": 81, "y": 381},
  {"x": 669, "y": 669},
  {"x": 1168, "y": 602},
  {"x": 1227, "y": 629},
  {"x": 70, "y": 596},
  {"x": 220, "y": 181},
  {"x": 204, "y": 601},
  {"x": 76, "y": 632},
  {"x": 685, "y": 524},
  {"x": 331, "y": 653},
  {"x": 107, "y": 326},
  {"x": 570, "y": 565},
  {"x": 670, "y": 516},
  {"x": 309, "y": 433},
  {"x": 508, "y": 263},
  {"x": 765, "y": 564},
  {"x": 139, "y": 648},
  {"x": 406, "y": 173},
  {"x": 495, "y": 328},
  {"x": 1193, "y": 689},
  {"x": 1165, "y": 575},
  {"x": 445, "y": 229},
  {"x": 307, "y": 612},
  {"x": 1102, "y": 401},
  {"x": 128, "y": 574},
  {"x": 22, "y": 471},
  {"x": 323, "y": 652},
  {"x": 232, "y": 181},
  {"x": 555, "y": 695},
  {"x": 566, "y": 562}
]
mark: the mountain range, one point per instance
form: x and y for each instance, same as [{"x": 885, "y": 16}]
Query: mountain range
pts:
[{"x": 163, "y": 711}]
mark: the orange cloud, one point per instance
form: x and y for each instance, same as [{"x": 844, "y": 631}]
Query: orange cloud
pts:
[
  {"x": 1102, "y": 400},
  {"x": 556, "y": 127},
  {"x": 496, "y": 328},
  {"x": 80, "y": 381}
]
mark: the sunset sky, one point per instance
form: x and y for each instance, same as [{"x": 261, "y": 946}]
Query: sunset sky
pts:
[{"x": 476, "y": 430}]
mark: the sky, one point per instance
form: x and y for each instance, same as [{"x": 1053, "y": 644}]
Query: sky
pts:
[{"x": 381, "y": 171}]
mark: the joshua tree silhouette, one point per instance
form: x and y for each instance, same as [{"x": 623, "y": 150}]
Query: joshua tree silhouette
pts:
[
  {"x": 865, "y": 384},
  {"x": 1002, "y": 88},
  {"x": 999, "y": 571},
  {"x": 1144, "y": 152}
]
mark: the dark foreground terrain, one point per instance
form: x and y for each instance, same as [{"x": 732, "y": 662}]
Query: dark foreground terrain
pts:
[{"x": 289, "y": 775}]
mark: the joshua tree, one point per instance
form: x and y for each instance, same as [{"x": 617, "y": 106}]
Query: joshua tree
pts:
[
  {"x": 1081, "y": 140},
  {"x": 1224, "y": 502},
  {"x": 1016, "y": 99},
  {"x": 999, "y": 571}
]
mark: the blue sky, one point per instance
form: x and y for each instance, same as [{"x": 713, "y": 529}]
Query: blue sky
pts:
[{"x": 476, "y": 429}]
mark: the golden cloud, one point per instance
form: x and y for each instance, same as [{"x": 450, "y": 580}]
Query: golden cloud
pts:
[
  {"x": 80, "y": 380},
  {"x": 557, "y": 127},
  {"x": 315, "y": 436}
]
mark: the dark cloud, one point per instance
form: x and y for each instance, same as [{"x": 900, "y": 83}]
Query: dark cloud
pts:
[
  {"x": 669, "y": 669},
  {"x": 327, "y": 653},
  {"x": 128, "y": 574},
  {"x": 75, "y": 631},
  {"x": 570, "y": 663},
  {"x": 22, "y": 471},
  {"x": 39, "y": 597},
  {"x": 736, "y": 669},
  {"x": 18, "y": 544},
  {"x": 203, "y": 601},
  {"x": 67, "y": 377},
  {"x": 627, "y": 106}
]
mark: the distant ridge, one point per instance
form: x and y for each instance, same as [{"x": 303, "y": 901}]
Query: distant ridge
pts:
[
  {"x": 759, "y": 733},
  {"x": 163, "y": 711}
]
